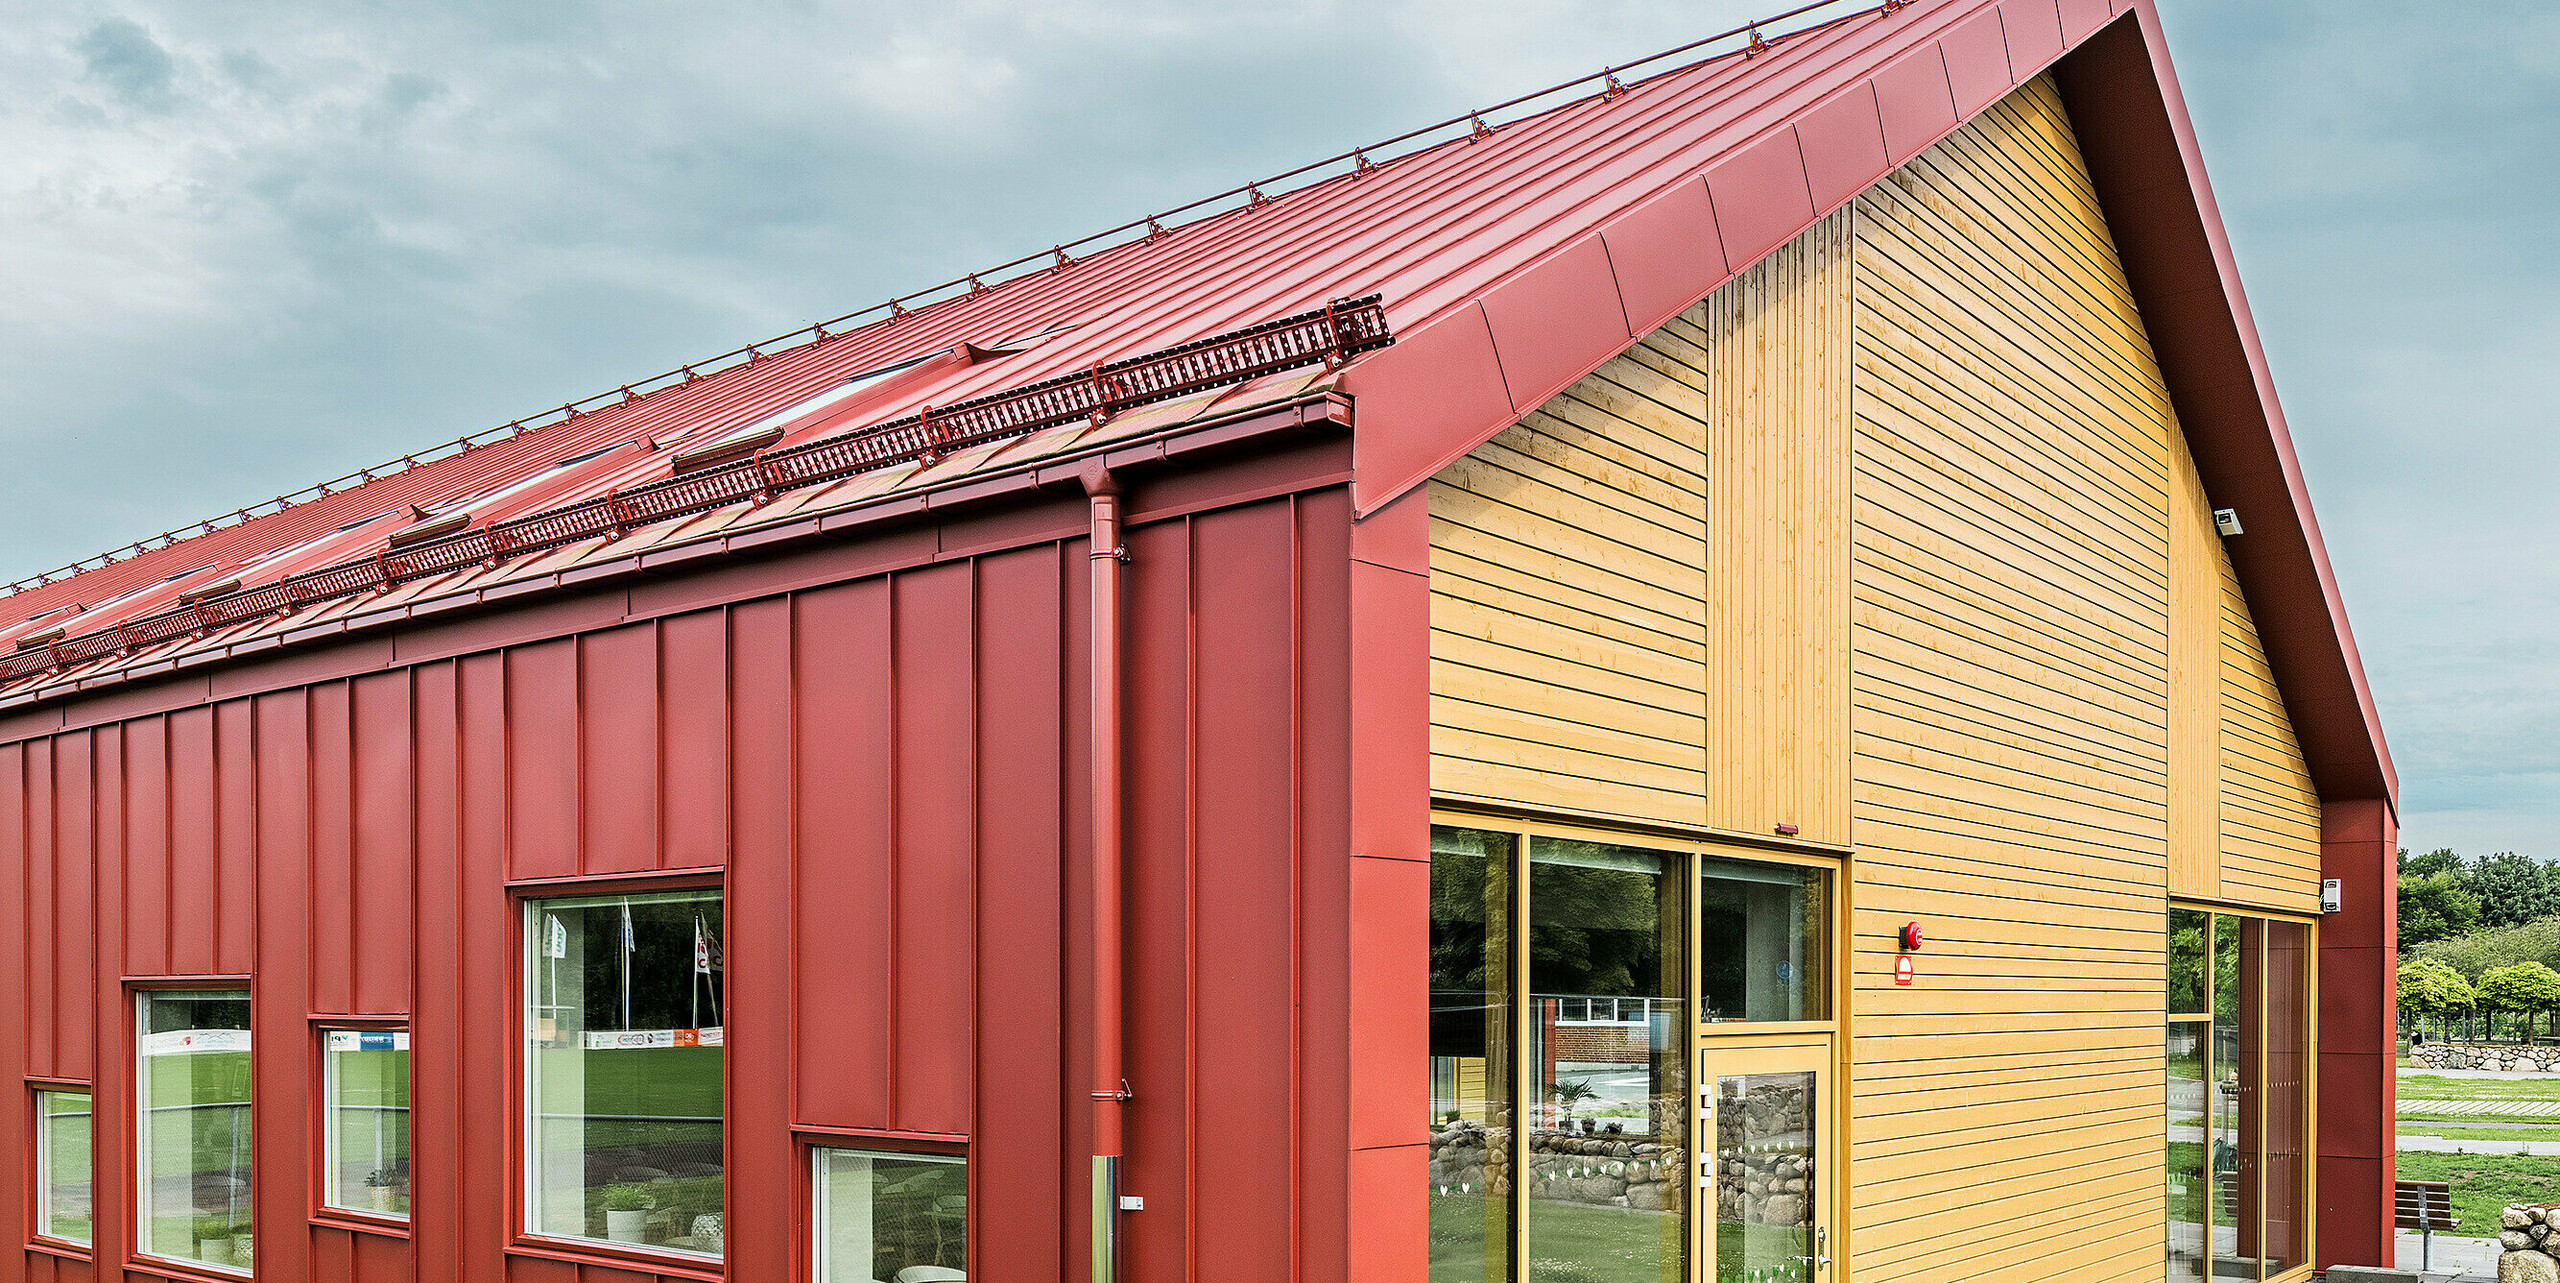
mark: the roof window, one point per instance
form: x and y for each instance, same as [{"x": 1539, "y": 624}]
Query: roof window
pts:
[
  {"x": 769, "y": 429},
  {"x": 446, "y": 520}
]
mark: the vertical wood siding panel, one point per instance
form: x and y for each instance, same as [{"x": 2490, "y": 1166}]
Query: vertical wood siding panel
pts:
[
  {"x": 1778, "y": 541},
  {"x": 2195, "y": 684},
  {"x": 75, "y": 835},
  {"x": 693, "y": 662},
  {"x": 436, "y": 1095},
  {"x": 1160, "y": 917},
  {"x": 542, "y": 759},
  {"x": 1244, "y": 768},
  {"x": 195, "y": 882},
  {"x": 618, "y": 702},
  {"x": 290, "y": 766},
  {"x": 146, "y": 833},
  {"x": 934, "y": 934},
  {"x": 1018, "y": 1132},
  {"x": 2011, "y": 675},
  {"x": 485, "y": 993},
  {"x": 763, "y": 1242},
  {"x": 44, "y": 984},
  {"x": 2270, "y": 817},
  {"x": 236, "y": 840},
  {"x": 1568, "y": 597},
  {"x": 1326, "y": 1021},
  {"x": 383, "y": 880},
  {"x": 332, "y": 885},
  {"x": 843, "y": 736}
]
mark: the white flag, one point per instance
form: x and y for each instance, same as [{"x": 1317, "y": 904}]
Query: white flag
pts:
[
  {"x": 701, "y": 948},
  {"x": 630, "y": 944},
  {"x": 558, "y": 946}
]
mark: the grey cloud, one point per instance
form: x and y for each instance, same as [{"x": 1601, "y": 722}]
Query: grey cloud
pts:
[{"x": 121, "y": 55}]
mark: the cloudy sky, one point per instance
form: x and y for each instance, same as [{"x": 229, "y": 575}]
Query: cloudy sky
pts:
[{"x": 247, "y": 246}]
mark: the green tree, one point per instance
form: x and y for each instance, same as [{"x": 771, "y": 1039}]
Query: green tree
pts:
[
  {"x": 2476, "y": 953},
  {"x": 2514, "y": 889},
  {"x": 2435, "y": 906},
  {"x": 2431, "y": 988},
  {"x": 2428, "y": 864},
  {"x": 2527, "y": 988}
]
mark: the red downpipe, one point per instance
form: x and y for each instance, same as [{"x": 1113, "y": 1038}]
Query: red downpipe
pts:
[{"x": 1110, "y": 1082}]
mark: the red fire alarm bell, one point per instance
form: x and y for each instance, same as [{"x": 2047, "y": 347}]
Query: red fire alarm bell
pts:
[
  {"x": 1910, "y": 937},
  {"x": 1902, "y": 970}
]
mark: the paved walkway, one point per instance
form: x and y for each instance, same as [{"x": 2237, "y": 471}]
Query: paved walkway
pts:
[
  {"x": 2442, "y": 1145},
  {"x": 2463, "y": 1259},
  {"x": 2508, "y": 1108}
]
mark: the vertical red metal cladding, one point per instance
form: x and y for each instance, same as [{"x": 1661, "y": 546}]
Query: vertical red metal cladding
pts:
[{"x": 1109, "y": 1084}]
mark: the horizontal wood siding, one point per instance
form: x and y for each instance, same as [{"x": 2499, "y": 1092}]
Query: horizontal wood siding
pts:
[
  {"x": 1778, "y": 542},
  {"x": 2011, "y": 675},
  {"x": 1568, "y": 597},
  {"x": 2270, "y": 815}
]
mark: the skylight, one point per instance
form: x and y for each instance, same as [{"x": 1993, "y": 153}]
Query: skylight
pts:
[{"x": 832, "y": 395}]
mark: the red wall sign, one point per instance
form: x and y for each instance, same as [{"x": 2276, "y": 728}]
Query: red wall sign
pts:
[{"x": 1902, "y": 971}]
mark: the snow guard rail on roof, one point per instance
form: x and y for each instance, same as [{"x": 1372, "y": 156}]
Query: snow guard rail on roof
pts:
[{"x": 1331, "y": 335}]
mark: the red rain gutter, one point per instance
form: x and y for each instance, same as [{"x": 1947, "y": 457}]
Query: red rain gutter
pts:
[{"x": 1110, "y": 1085}]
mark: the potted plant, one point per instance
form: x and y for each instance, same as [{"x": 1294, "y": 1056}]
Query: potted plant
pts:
[
  {"x": 626, "y": 1212},
  {"x": 383, "y": 1187},
  {"x": 214, "y": 1237}
]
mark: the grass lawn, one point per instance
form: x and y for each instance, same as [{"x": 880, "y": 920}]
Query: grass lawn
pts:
[
  {"x": 2437, "y": 1087},
  {"x": 2483, "y": 1184}
]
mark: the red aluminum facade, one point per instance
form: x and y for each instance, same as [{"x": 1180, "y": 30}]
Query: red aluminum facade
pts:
[{"x": 884, "y": 770}]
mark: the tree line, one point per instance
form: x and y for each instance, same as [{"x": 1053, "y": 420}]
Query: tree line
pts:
[{"x": 2479, "y": 936}]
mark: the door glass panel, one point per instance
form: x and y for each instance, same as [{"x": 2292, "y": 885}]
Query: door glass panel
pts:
[
  {"x": 1761, "y": 950},
  {"x": 2186, "y": 1141},
  {"x": 1607, "y": 1160},
  {"x": 2288, "y": 1095},
  {"x": 1765, "y": 1177},
  {"x": 1471, "y": 911},
  {"x": 2238, "y": 955}
]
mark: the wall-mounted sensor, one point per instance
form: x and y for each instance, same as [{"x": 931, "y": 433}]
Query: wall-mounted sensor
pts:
[
  {"x": 2330, "y": 899},
  {"x": 2227, "y": 520}
]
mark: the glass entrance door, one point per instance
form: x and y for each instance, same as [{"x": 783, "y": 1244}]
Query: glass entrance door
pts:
[{"x": 1764, "y": 1174}]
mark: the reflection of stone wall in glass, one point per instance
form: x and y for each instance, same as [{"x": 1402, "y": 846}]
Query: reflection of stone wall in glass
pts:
[
  {"x": 1764, "y": 1156},
  {"x": 1470, "y": 1156}
]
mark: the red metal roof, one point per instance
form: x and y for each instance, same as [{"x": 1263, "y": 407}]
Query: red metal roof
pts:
[{"x": 1512, "y": 260}]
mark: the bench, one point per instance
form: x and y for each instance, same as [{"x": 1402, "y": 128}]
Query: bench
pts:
[{"x": 2424, "y": 1206}]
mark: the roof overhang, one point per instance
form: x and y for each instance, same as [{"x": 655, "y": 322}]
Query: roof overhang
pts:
[{"x": 1452, "y": 384}]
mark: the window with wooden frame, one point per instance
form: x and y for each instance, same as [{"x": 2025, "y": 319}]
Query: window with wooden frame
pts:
[
  {"x": 1565, "y": 964},
  {"x": 623, "y": 1070},
  {"x": 2239, "y": 1082},
  {"x": 364, "y": 1120},
  {"x": 881, "y": 1214},
  {"x": 65, "y": 1166}
]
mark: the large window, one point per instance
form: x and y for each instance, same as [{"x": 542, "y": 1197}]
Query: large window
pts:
[
  {"x": 897, "y": 1217},
  {"x": 62, "y": 1165},
  {"x": 364, "y": 1084},
  {"x": 623, "y": 1069},
  {"x": 1763, "y": 927},
  {"x": 2238, "y": 1055},
  {"x": 192, "y": 1126}
]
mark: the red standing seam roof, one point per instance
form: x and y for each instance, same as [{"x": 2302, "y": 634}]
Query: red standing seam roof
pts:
[{"x": 1512, "y": 261}]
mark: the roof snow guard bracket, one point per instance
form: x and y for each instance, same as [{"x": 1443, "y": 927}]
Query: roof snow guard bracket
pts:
[{"x": 1328, "y": 336}]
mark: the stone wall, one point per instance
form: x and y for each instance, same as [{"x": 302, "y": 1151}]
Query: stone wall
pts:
[
  {"x": 2481, "y": 1055},
  {"x": 2531, "y": 1236}
]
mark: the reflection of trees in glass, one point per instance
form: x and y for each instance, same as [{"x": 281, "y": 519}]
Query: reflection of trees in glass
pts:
[
  {"x": 1593, "y": 930},
  {"x": 1470, "y": 890},
  {"x": 2186, "y": 960}
]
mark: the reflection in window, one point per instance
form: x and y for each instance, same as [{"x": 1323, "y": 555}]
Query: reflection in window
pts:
[
  {"x": 1607, "y": 1173},
  {"x": 1767, "y": 1177},
  {"x": 898, "y": 1218},
  {"x": 364, "y": 1080},
  {"x": 2187, "y": 1185},
  {"x": 1762, "y": 942},
  {"x": 193, "y": 1127},
  {"x": 1471, "y": 1064},
  {"x": 2288, "y": 1094},
  {"x": 62, "y": 1164},
  {"x": 2235, "y": 1099},
  {"x": 624, "y": 1070},
  {"x": 2186, "y": 962}
]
